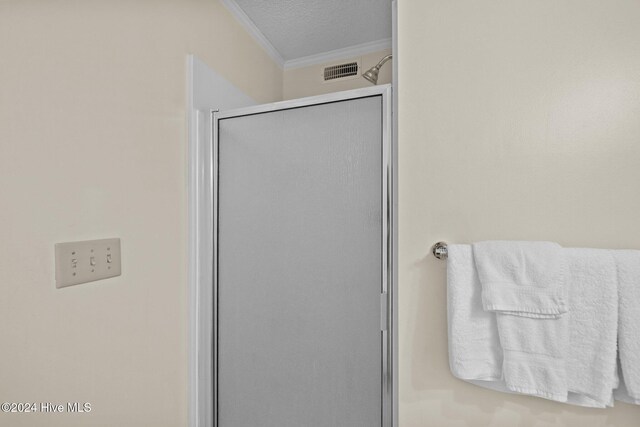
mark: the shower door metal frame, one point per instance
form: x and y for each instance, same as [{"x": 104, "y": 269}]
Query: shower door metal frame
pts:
[{"x": 389, "y": 217}]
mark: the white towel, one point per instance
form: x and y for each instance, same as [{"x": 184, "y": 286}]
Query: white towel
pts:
[
  {"x": 475, "y": 354},
  {"x": 534, "y": 355},
  {"x": 524, "y": 284},
  {"x": 628, "y": 263},
  {"x": 474, "y": 349},
  {"x": 591, "y": 359},
  {"x": 522, "y": 278}
]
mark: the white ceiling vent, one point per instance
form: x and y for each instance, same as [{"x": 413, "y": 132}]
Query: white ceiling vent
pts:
[{"x": 342, "y": 71}]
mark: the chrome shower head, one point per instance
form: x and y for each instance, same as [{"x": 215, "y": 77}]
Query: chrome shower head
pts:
[{"x": 372, "y": 73}]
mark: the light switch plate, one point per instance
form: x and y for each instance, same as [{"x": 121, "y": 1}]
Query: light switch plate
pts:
[{"x": 87, "y": 261}]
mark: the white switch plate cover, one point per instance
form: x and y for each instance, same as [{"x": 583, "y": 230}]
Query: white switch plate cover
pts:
[{"x": 87, "y": 261}]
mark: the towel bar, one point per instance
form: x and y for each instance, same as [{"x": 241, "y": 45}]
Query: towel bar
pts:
[{"x": 440, "y": 250}]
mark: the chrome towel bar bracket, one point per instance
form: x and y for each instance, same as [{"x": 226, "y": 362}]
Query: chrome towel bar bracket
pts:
[{"x": 440, "y": 250}]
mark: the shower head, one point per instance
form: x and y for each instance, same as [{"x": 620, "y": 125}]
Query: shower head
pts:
[{"x": 372, "y": 73}]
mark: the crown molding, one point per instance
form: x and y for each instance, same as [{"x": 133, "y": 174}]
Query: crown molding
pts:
[
  {"x": 338, "y": 54},
  {"x": 254, "y": 31}
]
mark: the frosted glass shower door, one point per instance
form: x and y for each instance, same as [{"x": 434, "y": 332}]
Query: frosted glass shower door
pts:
[{"x": 301, "y": 263}]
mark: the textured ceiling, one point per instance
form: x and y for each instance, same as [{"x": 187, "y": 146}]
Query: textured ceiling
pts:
[{"x": 298, "y": 28}]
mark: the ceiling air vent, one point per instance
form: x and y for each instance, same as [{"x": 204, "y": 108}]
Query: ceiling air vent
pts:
[{"x": 340, "y": 71}]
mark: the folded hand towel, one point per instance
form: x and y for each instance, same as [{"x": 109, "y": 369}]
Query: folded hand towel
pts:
[
  {"x": 628, "y": 263},
  {"x": 474, "y": 349},
  {"x": 475, "y": 352},
  {"x": 591, "y": 357},
  {"x": 523, "y": 283},
  {"x": 522, "y": 278},
  {"x": 534, "y": 355}
]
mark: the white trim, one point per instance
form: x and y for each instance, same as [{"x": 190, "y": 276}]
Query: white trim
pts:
[
  {"x": 394, "y": 217},
  {"x": 213, "y": 135},
  {"x": 199, "y": 264},
  {"x": 205, "y": 90},
  {"x": 338, "y": 54},
  {"x": 254, "y": 31},
  {"x": 192, "y": 250}
]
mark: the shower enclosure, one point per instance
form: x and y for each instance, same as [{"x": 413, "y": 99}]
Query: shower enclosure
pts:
[{"x": 303, "y": 262}]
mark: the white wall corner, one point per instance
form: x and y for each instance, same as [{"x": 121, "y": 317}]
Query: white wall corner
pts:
[
  {"x": 338, "y": 54},
  {"x": 255, "y": 32}
]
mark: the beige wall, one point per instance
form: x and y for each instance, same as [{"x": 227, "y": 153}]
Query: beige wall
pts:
[
  {"x": 518, "y": 120},
  {"x": 93, "y": 143},
  {"x": 308, "y": 81}
]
